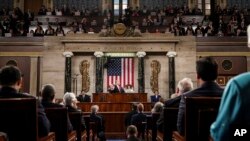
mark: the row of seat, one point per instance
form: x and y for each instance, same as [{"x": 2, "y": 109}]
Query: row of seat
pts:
[{"x": 19, "y": 121}]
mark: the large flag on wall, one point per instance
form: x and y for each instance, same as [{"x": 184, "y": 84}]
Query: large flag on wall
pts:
[{"x": 120, "y": 70}]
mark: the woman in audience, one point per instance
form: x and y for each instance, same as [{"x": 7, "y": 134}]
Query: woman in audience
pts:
[
  {"x": 59, "y": 31},
  {"x": 39, "y": 31},
  {"x": 50, "y": 31},
  {"x": 70, "y": 101}
]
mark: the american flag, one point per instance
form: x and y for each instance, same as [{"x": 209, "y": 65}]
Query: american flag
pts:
[{"x": 120, "y": 70}]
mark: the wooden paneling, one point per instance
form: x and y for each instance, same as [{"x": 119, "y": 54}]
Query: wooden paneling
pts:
[
  {"x": 33, "y": 5},
  {"x": 127, "y": 97},
  {"x": 23, "y": 63},
  {"x": 114, "y": 123},
  {"x": 112, "y": 107}
]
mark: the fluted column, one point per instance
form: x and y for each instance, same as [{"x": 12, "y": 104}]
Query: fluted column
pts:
[
  {"x": 67, "y": 80},
  {"x": 171, "y": 73},
  {"x": 99, "y": 72},
  {"x": 141, "y": 79}
]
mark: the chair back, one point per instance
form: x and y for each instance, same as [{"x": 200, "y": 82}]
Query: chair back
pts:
[
  {"x": 153, "y": 125},
  {"x": 19, "y": 118},
  {"x": 76, "y": 121},
  {"x": 199, "y": 115},
  {"x": 170, "y": 122},
  {"x": 58, "y": 120}
]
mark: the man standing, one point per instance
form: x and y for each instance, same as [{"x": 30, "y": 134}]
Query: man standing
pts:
[
  {"x": 83, "y": 97},
  {"x": 207, "y": 72},
  {"x": 156, "y": 97}
]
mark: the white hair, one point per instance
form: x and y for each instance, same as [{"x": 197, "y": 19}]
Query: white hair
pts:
[
  {"x": 69, "y": 98},
  {"x": 185, "y": 85},
  {"x": 94, "y": 108}
]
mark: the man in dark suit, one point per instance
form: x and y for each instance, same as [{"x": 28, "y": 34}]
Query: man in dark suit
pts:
[
  {"x": 83, "y": 97},
  {"x": 207, "y": 72},
  {"x": 155, "y": 98},
  {"x": 130, "y": 114},
  {"x": 183, "y": 86},
  {"x": 10, "y": 83},
  {"x": 48, "y": 97},
  {"x": 99, "y": 121},
  {"x": 138, "y": 119}
]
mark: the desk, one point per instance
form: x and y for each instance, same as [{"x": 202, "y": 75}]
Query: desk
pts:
[
  {"x": 112, "y": 107},
  {"x": 120, "y": 98}
]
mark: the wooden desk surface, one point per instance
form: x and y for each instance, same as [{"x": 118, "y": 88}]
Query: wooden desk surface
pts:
[
  {"x": 112, "y": 107},
  {"x": 117, "y": 97}
]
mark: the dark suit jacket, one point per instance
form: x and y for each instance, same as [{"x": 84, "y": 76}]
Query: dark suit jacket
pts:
[
  {"x": 47, "y": 104},
  {"x": 154, "y": 99},
  {"x": 128, "y": 117},
  {"x": 169, "y": 103},
  {"x": 72, "y": 110},
  {"x": 98, "y": 119},
  {"x": 43, "y": 122},
  {"x": 117, "y": 90},
  {"x": 132, "y": 138},
  {"x": 85, "y": 98},
  {"x": 207, "y": 89}
]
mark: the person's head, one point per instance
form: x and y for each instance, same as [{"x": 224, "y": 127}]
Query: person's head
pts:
[
  {"x": 83, "y": 92},
  {"x": 184, "y": 85},
  {"x": 134, "y": 106},
  {"x": 48, "y": 92},
  {"x": 156, "y": 93},
  {"x": 158, "y": 107},
  {"x": 94, "y": 109},
  {"x": 131, "y": 131},
  {"x": 11, "y": 76},
  {"x": 140, "y": 107},
  {"x": 69, "y": 99},
  {"x": 207, "y": 69}
]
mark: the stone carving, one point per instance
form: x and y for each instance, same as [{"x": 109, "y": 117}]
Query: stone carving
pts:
[
  {"x": 84, "y": 70},
  {"x": 120, "y": 30},
  {"x": 155, "y": 70}
]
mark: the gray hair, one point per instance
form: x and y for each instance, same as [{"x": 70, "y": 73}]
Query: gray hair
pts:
[
  {"x": 158, "y": 107},
  {"x": 94, "y": 108},
  {"x": 68, "y": 98},
  {"x": 185, "y": 85}
]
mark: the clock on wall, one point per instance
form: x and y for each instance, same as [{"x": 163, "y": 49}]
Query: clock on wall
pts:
[{"x": 227, "y": 65}]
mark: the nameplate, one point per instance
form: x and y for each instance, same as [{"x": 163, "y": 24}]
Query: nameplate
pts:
[
  {"x": 48, "y": 13},
  {"x": 8, "y": 35},
  {"x": 59, "y": 34}
]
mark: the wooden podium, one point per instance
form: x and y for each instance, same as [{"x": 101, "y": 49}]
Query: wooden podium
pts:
[{"x": 120, "y": 98}]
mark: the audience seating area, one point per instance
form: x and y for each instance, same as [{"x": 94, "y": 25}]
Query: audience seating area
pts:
[
  {"x": 19, "y": 120},
  {"x": 200, "y": 113}
]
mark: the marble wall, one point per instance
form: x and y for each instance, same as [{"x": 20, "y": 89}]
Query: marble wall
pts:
[{"x": 156, "y": 47}]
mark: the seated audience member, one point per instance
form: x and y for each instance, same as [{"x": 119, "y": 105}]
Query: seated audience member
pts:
[
  {"x": 48, "y": 100},
  {"x": 129, "y": 89},
  {"x": 207, "y": 72},
  {"x": 139, "y": 118},
  {"x": 158, "y": 107},
  {"x": 10, "y": 84},
  {"x": 183, "y": 86},
  {"x": 59, "y": 31},
  {"x": 70, "y": 101},
  {"x": 83, "y": 97},
  {"x": 156, "y": 97},
  {"x": 98, "y": 119},
  {"x": 132, "y": 133},
  {"x": 50, "y": 31},
  {"x": 39, "y": 31},
  {"x": 129, "y": 115},
  {"x": 233, "y": 112}
]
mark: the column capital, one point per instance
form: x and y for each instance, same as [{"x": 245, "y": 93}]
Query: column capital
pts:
[
  {"x": 98, "y": 54},
  {"x": 141, "y": 54},
  {"x": 68, "y": 54},
  {"x": 171, "y": 54}
]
